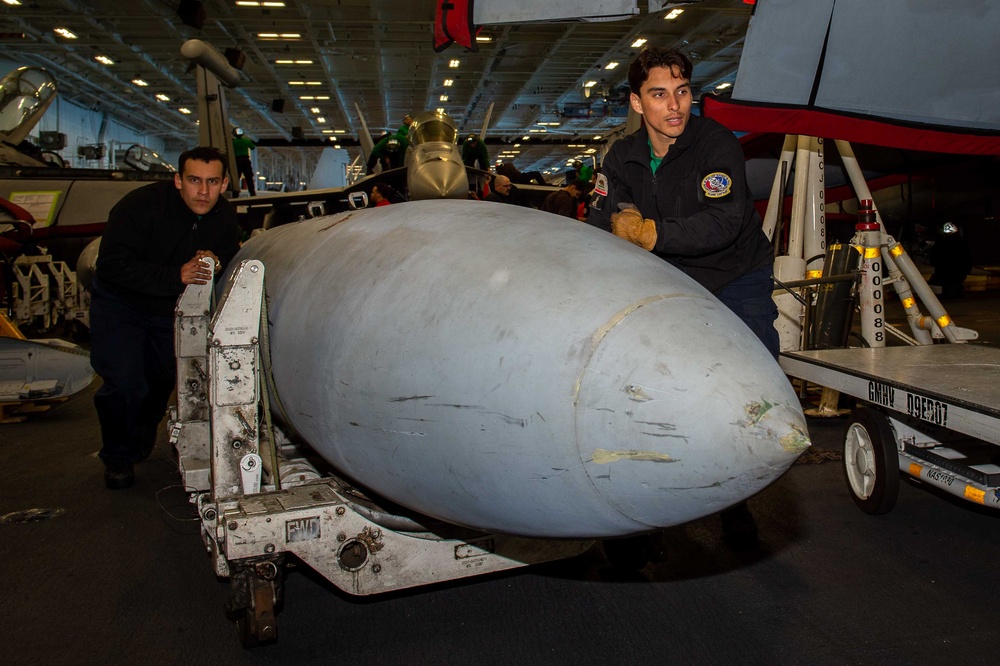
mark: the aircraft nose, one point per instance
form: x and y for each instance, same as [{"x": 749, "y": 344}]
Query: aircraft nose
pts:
[
  {"x": 668, "y": 437},
  {"x": 437, "y": 178}
]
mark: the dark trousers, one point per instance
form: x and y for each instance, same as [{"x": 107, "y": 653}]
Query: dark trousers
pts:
[
  {"x": 749, "y": 296},
  {"x": 133, "y": 352},
  {"x": 245, "y": 166}
]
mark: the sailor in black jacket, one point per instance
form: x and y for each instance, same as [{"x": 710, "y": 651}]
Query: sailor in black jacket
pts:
[
  {"x": 151, "y": 248},
  {"x": 677, "y": 187}
]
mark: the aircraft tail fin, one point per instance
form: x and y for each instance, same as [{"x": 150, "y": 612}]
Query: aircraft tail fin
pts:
[
  {"x": 486, "y": 122},
  {"x": 366, "y": 137}
]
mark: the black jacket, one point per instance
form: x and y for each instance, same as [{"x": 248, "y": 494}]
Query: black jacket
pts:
[
  {"x": 706, "y": 223},
  {"x": 150, "y": 234}
]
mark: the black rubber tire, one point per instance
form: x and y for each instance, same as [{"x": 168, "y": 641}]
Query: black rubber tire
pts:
[{"x": 871, "y": 463}]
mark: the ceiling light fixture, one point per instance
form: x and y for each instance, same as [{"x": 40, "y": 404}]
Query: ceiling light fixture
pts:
[
  {"x": 611, "y": 65},
  {"x": 162, "y": 97},
  {"x": 443, "y": 98},
  {"x": 63, "y": 32},
  {"x": 321, "y": 119},
  {"x": 104, "y": 60},
  {"x": 12, "y": 3},
  {"x": 253, "y": 3},
  {"x": 453, "y": 64},
  {"x": 590, "y": 84},
  {"x": 483, "y": 39},
  {"x": 315, "y": 109},
  {"x": 448, "y": 83},
  {"x": 293, "y": 62},
  {"x": 638, "y": 43},
  {"x": 140, "y": 83},
  {"x": 723, "y": 86},
  {"x": 184, "y": 110},
  {"x": 278, "y": 35},
  {"x": 672, "y": 14}
]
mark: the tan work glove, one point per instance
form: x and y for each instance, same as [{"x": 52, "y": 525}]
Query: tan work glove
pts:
[{"x": 628, "y": 224}]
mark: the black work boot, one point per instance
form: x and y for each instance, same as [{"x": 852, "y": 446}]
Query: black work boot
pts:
[{"x": 118, "y": 475}]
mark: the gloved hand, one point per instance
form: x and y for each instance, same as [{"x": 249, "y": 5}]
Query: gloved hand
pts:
[{"x": 630, "y": 225}]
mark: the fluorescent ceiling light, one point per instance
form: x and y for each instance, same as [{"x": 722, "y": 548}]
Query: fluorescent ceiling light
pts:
[
  {"x": 590, "y": 84},
  {"x": 315, "y": 109},
  {"x": 293, "y": 62},
  {"x": 637, "y": 43},
  {"x": 162, "y": 97},
  {"x": 674, "y": 13},
  {"x": 449, "y": 83},
  {"x": 453, "y": 63},
  {"x": 321, "y": 119},
  {"x": 184, "y": 110},
  {"x": 611, "y": 65},
  {"x": 278, "y": 35},
  {"x": 104, "y": 60},
  {"x": 63, "y": 32},
  {"x": 723, "y": 86},
  {"x": 140, "y": 83},
  {"x": 443, "y": 98}
]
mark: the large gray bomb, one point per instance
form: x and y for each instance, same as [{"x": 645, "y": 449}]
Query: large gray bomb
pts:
[{"x": 512, "y": 371}]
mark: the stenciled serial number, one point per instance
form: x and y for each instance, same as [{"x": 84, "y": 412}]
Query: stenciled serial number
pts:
[{"x": 927, "y": 409}]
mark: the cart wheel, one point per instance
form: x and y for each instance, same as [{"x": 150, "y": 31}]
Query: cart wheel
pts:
[{"x": 871, "y": 464}]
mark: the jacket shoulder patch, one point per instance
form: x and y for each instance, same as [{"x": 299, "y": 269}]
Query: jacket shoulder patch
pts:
[{"x": 716, "y": 185}]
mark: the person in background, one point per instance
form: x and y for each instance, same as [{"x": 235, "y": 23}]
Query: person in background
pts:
[
  {"x": 952, "y": 261},
  {"x": 503, "y": 191},
  {"x": 151, "y": 249},
  {"x": 474, "y": 153},
  {"x": 564, "y": 201},
  {"x": 677, "y": 188},
  {"x": 242, "y": 145},
  {"x": 383, "y": 194}
]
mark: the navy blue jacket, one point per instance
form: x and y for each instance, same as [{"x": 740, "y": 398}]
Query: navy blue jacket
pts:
[
  {"x": 706, "y": 223},
  {"x": 150, "y": 234}
]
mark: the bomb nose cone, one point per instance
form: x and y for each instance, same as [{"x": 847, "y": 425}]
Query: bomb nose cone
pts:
[{"x": 665, "y": 434}]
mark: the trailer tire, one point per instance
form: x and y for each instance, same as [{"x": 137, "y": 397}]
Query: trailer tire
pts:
[{"x": 871, "y": 464}]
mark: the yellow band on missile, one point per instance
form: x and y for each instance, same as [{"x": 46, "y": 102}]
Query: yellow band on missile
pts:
[
  {"x": 896, "y": 250},
  {"x": 814, "y": 274},
  {"x": 872, "y": 252},
  {"x": 975, "y": 494},
  {"x": 944, "y": 321},
  {"x": 915, "y": 469},
  {"x": 909, "y": 302}
]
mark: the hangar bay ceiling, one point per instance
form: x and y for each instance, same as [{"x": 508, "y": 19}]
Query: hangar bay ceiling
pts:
[{"x": 310, "y": 63}]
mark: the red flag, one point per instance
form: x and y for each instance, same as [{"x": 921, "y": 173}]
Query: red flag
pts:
[{"x": 453, "y": 23}]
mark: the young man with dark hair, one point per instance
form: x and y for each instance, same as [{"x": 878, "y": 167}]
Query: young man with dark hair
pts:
[
  {"x": 564, "y": 201},
  {"x": 677, "y": 187},
  {"x": 151, "y": 249}
]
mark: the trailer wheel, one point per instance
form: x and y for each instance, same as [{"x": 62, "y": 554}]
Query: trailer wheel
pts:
[{"x": 871, "y": 465}]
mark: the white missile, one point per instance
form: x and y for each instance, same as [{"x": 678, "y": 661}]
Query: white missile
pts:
[{"x": 512, "y": 371}]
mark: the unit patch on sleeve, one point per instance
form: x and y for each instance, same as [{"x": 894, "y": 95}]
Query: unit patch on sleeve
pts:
[{"x": 717, "y": 185}]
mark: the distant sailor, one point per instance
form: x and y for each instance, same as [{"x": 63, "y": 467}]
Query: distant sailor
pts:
[{"x": 242, "y": 145}]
